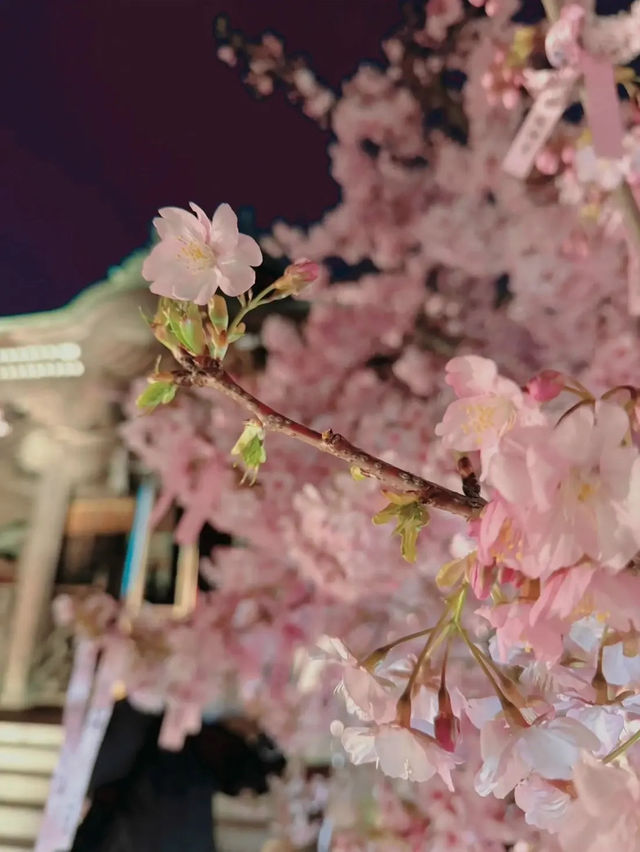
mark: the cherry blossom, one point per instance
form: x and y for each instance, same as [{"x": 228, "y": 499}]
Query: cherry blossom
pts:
[
  {"x": 605, "y": 813},
  {"x": 576, "y": 484},
  {"x": 365, "y": 694},
  {"x": 550, "y": 749},
  {"x": 197, "y": 256},
  {"x": 400, "y": 752},
  {"x": 457, "y": 311}
]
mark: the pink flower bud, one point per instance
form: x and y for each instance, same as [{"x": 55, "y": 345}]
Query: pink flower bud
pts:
[
  {"x": 298, "y": 275},
  {"x": 303, "y": 270},
  {"x": 546, "y": 385},
  {"x": 446, "y": 725}
]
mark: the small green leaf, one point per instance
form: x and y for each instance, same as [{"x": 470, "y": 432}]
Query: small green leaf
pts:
[
  {"x": 452, "y": 572},
  {"x": 183, "y": 321},
  {"x": 250, "y": 448},
  {"x": 192, "y": 336},
  {"x": 157, "y": 393},
  {"x": 356, "y": 473},
  {"x": 254, "y": 453},
  {"x": 410, "y": 519},
  {"x": 385, "y": 515}
]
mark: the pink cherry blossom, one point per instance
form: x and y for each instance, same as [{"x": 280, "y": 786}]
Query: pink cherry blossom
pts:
[
  {"x": 451, "y": 260},
  {"x": 367, "y": 696},
  {"x": 551, "y": 749},
  {"x": 400, "y": 752},
  {"x": 197, "y": 256},
  {"x": 545, "y": 805},
  {"x": 489, "y": 406},
  {"x": 576, "y": 486},
  {"x": 605, "y": 813},
  {"x": 546, "y": 385}
]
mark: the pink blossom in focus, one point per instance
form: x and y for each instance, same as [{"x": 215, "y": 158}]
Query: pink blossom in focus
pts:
[
  {"x": 399, "y": 752},
  {"x": 366, "y": 696},
  {"x": 575, "y": 488},
  {"x": 489, "y": 406},
  {"x": 605, "y": 815},
  {"x": 197, "y": 256},
  {"x": 510, "y": 754},
  {"x": 544, "y": 804}
]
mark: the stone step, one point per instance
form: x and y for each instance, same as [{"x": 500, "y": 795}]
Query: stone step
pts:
[
  {"x": 27, "y": 760},
  {"x": 31, "y": 734},
  {"x": 21, "y": 789},
  {"x": 19, "y": 822}
]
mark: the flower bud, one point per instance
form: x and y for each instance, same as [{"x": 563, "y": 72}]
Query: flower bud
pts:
[
  {"x": 298, "y": 275},
  {"x": 546, "y": 385}
]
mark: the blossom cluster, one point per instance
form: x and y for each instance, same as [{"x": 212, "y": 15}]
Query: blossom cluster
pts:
[{"x": 495, "y": 681}]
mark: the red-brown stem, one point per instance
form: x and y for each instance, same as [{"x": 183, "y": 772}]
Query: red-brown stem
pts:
[{"x": 210, "y": 373}]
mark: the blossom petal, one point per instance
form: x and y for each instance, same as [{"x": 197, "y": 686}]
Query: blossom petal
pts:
[
  {"x": 224, "y": 229},
  {"x": 248, "y": 251},
  {"x": 235, "y": 277}
]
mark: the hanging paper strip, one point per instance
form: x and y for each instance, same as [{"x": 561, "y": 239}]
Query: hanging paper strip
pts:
[
  {"x": 78, "y": 756},
  {"x": 601, "y": 103},
  {"x": 79, "y": 689},
  {"x": 538, "y": 126}
]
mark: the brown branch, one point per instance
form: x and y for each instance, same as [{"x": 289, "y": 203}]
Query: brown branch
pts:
[{"x": 210, "y": 373}]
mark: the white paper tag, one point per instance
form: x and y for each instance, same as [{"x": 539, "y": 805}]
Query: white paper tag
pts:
[{"x": 537, "y": 127}]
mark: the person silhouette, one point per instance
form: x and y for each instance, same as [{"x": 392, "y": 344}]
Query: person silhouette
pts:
[{"x": 146, "y": 799}]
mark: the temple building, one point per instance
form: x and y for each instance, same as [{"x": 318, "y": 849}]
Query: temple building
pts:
[{"x": 67, "y": 504}]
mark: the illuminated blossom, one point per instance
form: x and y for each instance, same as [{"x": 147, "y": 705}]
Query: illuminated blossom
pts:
[
  {"x": 196, "y": 256},
  {"x": 575, "y": 488},
  {"x": 400, "y": 752},
  {"x": 367, "y": 696},
  {"x": 605, "y": 814},
  {"x": 489, "y": 406},
  {"x": 510, "y": 754}
]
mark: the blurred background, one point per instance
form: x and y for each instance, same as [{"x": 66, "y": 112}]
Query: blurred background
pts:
[{"x": 112, "y": 109}]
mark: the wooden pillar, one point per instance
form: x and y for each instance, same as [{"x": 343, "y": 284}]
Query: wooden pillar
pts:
[{"x": 35, "y": 578}]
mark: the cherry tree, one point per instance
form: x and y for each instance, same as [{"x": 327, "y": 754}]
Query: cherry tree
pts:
[{"x": 430, "y": 472}]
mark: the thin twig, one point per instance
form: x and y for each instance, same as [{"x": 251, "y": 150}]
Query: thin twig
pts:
[{"x": 210, "y": 373}]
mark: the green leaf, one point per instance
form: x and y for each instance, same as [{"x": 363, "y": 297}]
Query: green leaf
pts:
[
  {"x": 356, "y": 473},
  {"x": 385, "y": 515},
  {"x": 452, "y": 573},
  {"x": 183, "y": 321},
  {"x": 254, "y": 453},
  {"x": 410, "y": 519},
  {"x": 157, "y": 393},
  {"x": 250, "y": 448}
]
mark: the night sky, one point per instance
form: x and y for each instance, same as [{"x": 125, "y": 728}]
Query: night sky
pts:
[{"x": 113, "y": 108}]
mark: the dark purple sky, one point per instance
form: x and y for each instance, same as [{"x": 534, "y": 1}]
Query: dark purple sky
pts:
[{"x": 117, "y": 107}]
